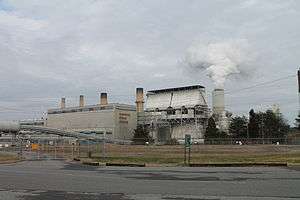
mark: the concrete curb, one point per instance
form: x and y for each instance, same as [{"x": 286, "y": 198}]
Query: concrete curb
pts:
[
  {"x": 238, "y": 165},
  {"x": 91, "y": 163},
  {"x": 125, "y": 165},
  {"x": 278, "y": 164}
]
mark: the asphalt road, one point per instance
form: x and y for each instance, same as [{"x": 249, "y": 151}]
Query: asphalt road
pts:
[{"x": 56, "y": 180}]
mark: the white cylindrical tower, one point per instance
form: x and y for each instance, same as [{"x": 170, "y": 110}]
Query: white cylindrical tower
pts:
[{"x": 218, "y": 101}]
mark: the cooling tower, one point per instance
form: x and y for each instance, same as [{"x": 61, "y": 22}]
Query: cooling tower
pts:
[{"x": 218, "y": 101}]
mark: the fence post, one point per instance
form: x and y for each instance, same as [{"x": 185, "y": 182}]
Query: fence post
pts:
[
  {"x": 21, "y": 150},
  {"x": 63, "y": 147},
  {"x": 184, "y": 155},
  {"x": 103, "y": 149},
  {"x": 72, "y": 150},
  {"x": 78, "y": 149},
  {"x": 55, "y": 144},
  {"x": 189, "y": 156},
  {"x": 39, "y": 146}
]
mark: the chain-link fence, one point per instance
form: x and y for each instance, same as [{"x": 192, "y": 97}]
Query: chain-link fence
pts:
[{"x": 268, "y": 150}]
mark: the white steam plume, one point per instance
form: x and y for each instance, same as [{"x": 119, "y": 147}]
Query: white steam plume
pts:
[{"x": 220, "y": 59}]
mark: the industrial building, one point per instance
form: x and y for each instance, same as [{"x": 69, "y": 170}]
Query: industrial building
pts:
[
  {"x": 171, "y": 113},
  {"x": 168, "y": 114},
  {"x": 108, "y": 120}
]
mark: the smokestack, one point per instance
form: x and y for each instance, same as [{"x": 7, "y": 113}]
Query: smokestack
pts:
[
  {"x": 299, "y": 81},
  {"x": 63, "y": 103},
  {"x": 139, "y": 100},
  {"x": 299, "y": 91},
  {"x": 81, "y": 101},
  {"x": 218, "y": 101},
  {"x": 103, "y": 99}
]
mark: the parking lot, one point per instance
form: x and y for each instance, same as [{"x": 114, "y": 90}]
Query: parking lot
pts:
[{"x": 57, "y": 179}]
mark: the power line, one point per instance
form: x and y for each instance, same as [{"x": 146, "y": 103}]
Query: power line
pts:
[{"x": 261, "y": 84}]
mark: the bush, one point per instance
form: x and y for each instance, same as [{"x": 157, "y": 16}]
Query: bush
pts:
[
  {"x": 141, "y": 136},
  {"x": 172, "y": 141}
]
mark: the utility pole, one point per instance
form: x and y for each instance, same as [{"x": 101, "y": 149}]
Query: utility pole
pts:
[
  {"x": 298, "y": 116},
  {"x": 181, "y": 122},
  {"x": 103, "y": 147},
  {"x": 262, "y": 128}
]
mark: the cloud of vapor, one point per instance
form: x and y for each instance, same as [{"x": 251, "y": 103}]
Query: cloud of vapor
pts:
[{"x": 220, "y": 59}]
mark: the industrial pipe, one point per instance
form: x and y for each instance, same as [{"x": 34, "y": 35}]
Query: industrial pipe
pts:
[
  {"x": 13, "y": 127},
  {"x": 9, "y": 126}
]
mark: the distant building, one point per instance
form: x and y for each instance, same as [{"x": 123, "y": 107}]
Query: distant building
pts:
[{"x": 109, "y": 120}]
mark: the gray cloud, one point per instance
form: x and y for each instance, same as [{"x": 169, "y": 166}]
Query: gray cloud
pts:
[{"x": 50, "y": 49}]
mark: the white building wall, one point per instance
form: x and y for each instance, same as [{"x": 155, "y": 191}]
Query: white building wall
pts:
[
  {"x": 126, "y": 123},
  {"x": 108, "y": 122},
  {"x": 81, "y": 120}
]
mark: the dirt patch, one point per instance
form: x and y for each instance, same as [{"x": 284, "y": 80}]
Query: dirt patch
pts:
[{"x": 6, "y": 158}]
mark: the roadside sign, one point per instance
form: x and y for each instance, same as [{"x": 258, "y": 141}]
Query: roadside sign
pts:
[
  {"x": 187, "y": 145},
  {"x": 188, "y": 140},
  {"x": 35, "y": 147}
]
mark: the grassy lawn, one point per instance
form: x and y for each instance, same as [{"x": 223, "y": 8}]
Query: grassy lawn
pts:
[{"x": 200, "y": 154}]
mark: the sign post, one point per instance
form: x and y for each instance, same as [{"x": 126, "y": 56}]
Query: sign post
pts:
[{"x": 187, "y": 144}]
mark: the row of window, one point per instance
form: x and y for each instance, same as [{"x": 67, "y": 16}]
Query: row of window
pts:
[
  {"x": 77, "y": 110},
  {"x": 184, "y": 111}
]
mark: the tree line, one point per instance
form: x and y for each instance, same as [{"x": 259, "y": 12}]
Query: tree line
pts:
[{"x": 258, "y": 125}]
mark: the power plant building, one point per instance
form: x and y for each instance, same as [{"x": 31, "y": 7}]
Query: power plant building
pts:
[
  {"x": 167, "y": 114},
  {"x": 110, "y": 120},
  {"x": 174, "y": 112}
]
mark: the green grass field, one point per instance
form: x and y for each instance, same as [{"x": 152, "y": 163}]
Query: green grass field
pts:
[{"x": 200, "y": 154}]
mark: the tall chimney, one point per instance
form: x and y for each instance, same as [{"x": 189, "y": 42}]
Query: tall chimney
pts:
[
  {"x": 63, "y": 103},
  {"x": 218, "y": 101},
  {"x": 299, "y": 91},
  {"x": 81, "y": 101},
  {"x": 139, "y": 100},
  {"x": 103, "y": 99}
]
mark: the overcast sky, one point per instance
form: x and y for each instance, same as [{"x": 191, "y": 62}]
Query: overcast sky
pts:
[{"x": 55, "y": 48}]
